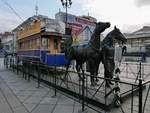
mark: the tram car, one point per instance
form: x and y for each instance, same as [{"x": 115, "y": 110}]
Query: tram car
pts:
[{"x": 39, "y": 38}]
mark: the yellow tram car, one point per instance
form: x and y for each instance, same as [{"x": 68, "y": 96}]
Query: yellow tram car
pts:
[{"x": 39, "y": 38}]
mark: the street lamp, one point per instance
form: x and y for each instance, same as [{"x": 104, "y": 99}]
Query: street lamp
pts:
[{"x": 66, "y": 4}]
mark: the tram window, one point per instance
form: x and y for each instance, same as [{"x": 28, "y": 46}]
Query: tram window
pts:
[
  {"x": 44, "y": 43},
  {"x": 30, "y": 44},
  {"x": 23, "y": 45},
  {"x": 38, "y": 43},
  {"x": 56, "y": 43},
  {"x": 20, "y": 45},
  {"x": 48, "y": 43},
  {"x": 26, "y": 45},
  {"x": 34, "y": 44}
]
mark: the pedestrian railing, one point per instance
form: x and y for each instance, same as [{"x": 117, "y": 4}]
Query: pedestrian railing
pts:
[{"x": 128, "y": 97}]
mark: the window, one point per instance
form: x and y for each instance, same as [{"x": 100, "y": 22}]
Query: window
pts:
[
  {"x": 34, "y": 44},
  {"x": 48, "y": 42},
  {"x": 55, "y": 43},
  {"x": 44, "y": 43},
  {"x": 38, "y": 43},
  {"x": 30, "y": 44}
]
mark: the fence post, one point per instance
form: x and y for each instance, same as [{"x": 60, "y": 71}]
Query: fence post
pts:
[
  {"x": 13, "y": 63},
  {"x": 55, "y": 74},
  {"x": 29, "y": 70},
  {"x": 140, "y": 91},
  {"x": 140, "y": 95},
  {"x": 17, "y": 66},
  {"x": 83, "y": 87},
  {"x": 39, "y": 74},
  {"x": 126, "y": 70}
]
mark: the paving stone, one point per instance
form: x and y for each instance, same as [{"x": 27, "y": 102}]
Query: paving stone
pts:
[
  {"x": 26, "y": 93},
  {"x": 13, "y": 101},
  {"x": 49, "y": 100},
  {"x": 30, "y": 107},
  {"x": 40, "y": 94},
  {"x": 23, "y": 98},
  {"x": 44, "y": 109},
  {"x": 65, "y": 101},
  {"x": 63, "y": 109},
  {"x": 20, "y": 109},
  {"x": 33, "y": 100},
  {"x": 4, "y": 106}
]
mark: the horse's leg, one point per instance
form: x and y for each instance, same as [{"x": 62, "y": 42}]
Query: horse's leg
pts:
[
  {"x": 91, "y": 69},
  {"x": 66, "y": 73},
  {"x": 106, "y": 72},
  {"x": 78, "y": 71},
  {"x": 97, "y": 69},
  {"x": 82, "y": 70},
  {"x": 112, "y": 68},
  {"x": 109, "y": 66}
]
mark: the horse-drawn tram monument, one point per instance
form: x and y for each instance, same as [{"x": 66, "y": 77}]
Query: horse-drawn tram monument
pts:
[{"x": 71, "y": 56}]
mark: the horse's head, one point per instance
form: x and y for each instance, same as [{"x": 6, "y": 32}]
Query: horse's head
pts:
[
  {"x": 118, "y": 36},
  {"x": 101, "y": 26}
]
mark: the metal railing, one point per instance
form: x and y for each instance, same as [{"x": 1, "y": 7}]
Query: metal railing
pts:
[{"x": 99, "y": 97}]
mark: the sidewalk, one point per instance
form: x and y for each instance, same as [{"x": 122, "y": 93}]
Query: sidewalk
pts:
[
  {"x": 9, "y": 103},
  {"x": 21, "y": 96}
]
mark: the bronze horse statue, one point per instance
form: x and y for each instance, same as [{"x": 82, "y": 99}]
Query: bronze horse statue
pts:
[
  {"x": 108, "y": 52},
  {"x": 83, "y": 53}
]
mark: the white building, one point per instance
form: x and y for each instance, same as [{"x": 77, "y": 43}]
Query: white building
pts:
[
  {"x": 138, "y": 43},
  {"x": 7, "y": 41}
]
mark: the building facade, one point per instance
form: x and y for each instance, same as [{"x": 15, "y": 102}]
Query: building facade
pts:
[
  {"x": 138, "y": 43},
  {"x": 7, "y": 41},
  {"x": 82, "y": 26}
]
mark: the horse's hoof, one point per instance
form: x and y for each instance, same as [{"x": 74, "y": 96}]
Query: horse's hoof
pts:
[
  {"x": 111, "y": 83},
  {"x": 80, "y": 79},
  {"x": 97, "y": 80},
  {"x": 108, "y": 85},
  {"x": 94, "y": 84}
]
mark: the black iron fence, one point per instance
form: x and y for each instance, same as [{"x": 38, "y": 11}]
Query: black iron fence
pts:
[{"x": 123, "y": 96}]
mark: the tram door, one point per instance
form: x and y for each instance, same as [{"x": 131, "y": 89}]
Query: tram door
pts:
[
  {"x": 44, "y": 48},
  {"x": 56, "y": 45}
]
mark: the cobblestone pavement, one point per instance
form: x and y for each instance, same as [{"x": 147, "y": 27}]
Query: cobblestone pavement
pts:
[{"x": 21, "y": 96}]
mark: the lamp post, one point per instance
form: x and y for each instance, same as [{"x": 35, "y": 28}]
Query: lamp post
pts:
[{"x": 66, "y": 4}]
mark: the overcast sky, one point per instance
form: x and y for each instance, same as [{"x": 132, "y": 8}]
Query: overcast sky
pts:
[{"x": 128, "y": 15}]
